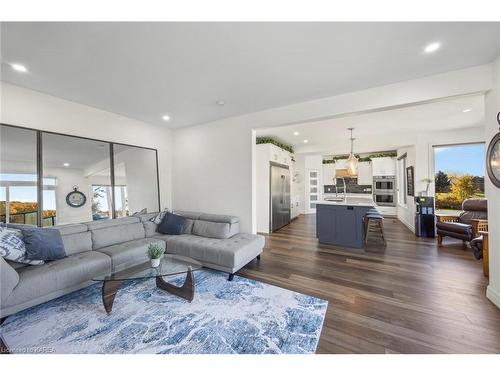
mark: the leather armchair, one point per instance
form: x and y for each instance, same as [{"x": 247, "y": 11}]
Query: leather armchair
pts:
[{"x": 464, "y": 226}]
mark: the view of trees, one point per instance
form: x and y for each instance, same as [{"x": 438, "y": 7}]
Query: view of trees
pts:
[
  {"x": 452, "y": 190},
  {"x": 23, "y": 212}
]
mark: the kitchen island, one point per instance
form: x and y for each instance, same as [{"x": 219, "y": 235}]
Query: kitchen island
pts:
[{"x": 340, "y": 222}]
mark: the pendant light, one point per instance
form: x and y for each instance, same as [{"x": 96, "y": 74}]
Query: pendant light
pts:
[{"x": 352, "y": 160}]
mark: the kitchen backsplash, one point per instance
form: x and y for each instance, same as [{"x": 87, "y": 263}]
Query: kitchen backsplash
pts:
[{"x": 352, "y": 187}]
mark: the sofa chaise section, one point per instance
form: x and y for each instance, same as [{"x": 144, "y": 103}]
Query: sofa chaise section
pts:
[{"x": 213, "y": 240}]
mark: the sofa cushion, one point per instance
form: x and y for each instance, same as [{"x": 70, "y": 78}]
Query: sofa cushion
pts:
[
  {"x": 230, "y": 252},
  {"x": 77, "y": 242},
  {"x": 130, "y": 252},
  {"x": 9, "y": 278},
  {"x": 210, "y": 229},
  {"x": 188, "y": 226},
  {"x": 171, "y": 224},
  {"x": 76, "y": 238},
  {"x": 220, "y": 218},
  {"x": 71, "y": 228},
  {"x": 43, "y": 243},
  {"x": 36, "y": 281},
  {"x": 117, "y": 234},
  {"x": 150, "y": 228},
  {"x": 189, "y": 214},
  {"x": 100, "y": 224}
]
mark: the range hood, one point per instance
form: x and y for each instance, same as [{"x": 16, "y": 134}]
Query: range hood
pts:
[{"x": 342, "y": 173}]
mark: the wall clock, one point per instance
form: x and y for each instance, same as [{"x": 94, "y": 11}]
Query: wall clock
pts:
[
  {"x": 76, "y": 198},
  {"x": 493, "y": 158}
]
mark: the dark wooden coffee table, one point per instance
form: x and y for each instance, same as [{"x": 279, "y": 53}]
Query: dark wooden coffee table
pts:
[{"x": 169, "y": 265}]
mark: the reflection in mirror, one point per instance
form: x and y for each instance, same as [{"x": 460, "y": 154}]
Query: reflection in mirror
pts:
[
  {"x": 18, "y": 178},
  {"x": 136, "y": 180},
  {"x": 75, "y": 163}
]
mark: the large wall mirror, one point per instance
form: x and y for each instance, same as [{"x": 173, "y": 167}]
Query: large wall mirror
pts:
[{"x": 80, "y": 179}]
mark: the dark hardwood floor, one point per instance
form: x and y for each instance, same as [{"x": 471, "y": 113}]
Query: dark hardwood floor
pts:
[{"x": 411, "y": 297}]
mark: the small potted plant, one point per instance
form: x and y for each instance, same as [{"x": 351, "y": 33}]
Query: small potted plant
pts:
[{"x": 155, "y": 253}]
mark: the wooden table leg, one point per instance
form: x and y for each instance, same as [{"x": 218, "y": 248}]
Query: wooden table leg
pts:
[
  {"x": 109, "y": 290},
  {"x": 185, "y": 291}
]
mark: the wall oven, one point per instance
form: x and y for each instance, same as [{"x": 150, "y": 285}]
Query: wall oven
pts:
[
  {"x": 384, "y": 190},
  {"x": 384, "y": 183}
]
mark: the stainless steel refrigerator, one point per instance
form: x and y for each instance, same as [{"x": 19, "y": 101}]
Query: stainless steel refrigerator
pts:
[{"x": 280, "y": 197}]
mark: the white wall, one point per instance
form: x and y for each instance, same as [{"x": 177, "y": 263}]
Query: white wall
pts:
[
  {"x": 298, "y": 186},
  {"x": 492, "y": 192},
  {"x": 406, "y": 213},
  {"x": 28, "y": 108},
  {"x": 213, "y": 163}
]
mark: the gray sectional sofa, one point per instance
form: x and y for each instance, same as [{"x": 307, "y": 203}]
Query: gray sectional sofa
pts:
[{"x": 94, "y": 248}]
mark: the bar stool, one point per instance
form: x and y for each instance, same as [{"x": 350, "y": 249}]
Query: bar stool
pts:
[{"x": 373, "y": 222}]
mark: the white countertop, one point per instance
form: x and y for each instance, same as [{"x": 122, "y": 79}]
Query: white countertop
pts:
[{"x": 351, "y": 201}]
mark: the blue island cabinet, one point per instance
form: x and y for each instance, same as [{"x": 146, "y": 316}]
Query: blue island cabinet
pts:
[{"x": 340, "y": 224}]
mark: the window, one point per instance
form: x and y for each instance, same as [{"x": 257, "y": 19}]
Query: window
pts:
[
  {"x": 18, "y": 176},
  {"x": 459, "y": 174},
  {"x": 116, "y": 180},
  {"x": 402, "y": 180}
]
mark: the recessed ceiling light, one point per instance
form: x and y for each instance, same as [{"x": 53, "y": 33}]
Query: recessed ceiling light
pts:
[
  {"x": 220, "y": 102},
  {"x": 305, "y": 140},
  {"x": 165, "y": 117},
  {"x": 19, "y": 68},
  {"x": 66, "y": 164},
  {"x": 432, "y": 47},
  {"x": 296, "y": 133},
  {"x": 466, "y": 110}
]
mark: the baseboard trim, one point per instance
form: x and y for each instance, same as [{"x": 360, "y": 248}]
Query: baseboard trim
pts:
[
  {"x": 408, "y": 225},
  {"x": 493, "y": 296}
]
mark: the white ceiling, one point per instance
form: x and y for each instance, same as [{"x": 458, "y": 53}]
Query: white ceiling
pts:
[
  {"x": 144, "y": 70},
  {"x": 384, "y": 130}
]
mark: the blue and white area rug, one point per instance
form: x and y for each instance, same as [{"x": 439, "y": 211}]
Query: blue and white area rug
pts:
[{"x": 241, "y": 316}]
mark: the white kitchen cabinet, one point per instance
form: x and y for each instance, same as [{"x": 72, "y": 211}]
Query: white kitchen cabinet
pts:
[
  {"x": 365, "y": 175},
  {"x": 385, "y": 166},
  {"x": 328, "y": 174},
  {"x": 279, "y": 155}
]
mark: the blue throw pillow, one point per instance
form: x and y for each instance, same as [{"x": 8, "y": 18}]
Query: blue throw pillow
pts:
[
  {"x": 171, "y": 224},
  {"x": 43, "y": 243}
]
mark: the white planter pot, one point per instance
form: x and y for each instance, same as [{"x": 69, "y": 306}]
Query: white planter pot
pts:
[{"x": 155, "y": 262}]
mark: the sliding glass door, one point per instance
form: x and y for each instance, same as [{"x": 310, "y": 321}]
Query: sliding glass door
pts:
[{"x": 74, "y": 179}]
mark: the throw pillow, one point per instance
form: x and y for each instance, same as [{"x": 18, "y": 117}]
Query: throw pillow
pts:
[
  {"x": 43, "y": 243},
  {"x": 172, "y": 224},
  {"x": 141, "y": 212},
  {"x": 158, "y": 218},
  {"x": 12, "y": 247}
]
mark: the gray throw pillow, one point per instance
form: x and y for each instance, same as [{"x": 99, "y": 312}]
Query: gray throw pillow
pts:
[
  {"x": 158, "y": 218},
  {"x": 43, "y": 243},
  {"x": 12, "y": 247},
  {"x": 141, "y": 212}
]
